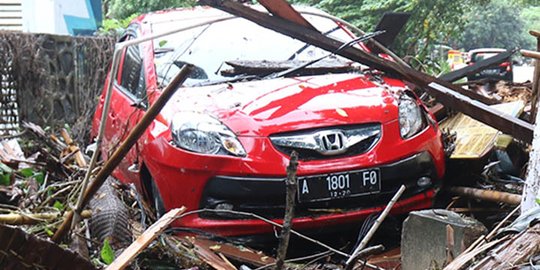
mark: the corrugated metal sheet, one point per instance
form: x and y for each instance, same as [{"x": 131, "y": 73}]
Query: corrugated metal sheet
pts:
[{"x": 11, "y": 15}]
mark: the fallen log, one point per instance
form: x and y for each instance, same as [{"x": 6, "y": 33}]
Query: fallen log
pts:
[
  {"x": 119, "y": 154},
  {"x": 487, "y": 195},
  {"x": 145, "y": 239}
]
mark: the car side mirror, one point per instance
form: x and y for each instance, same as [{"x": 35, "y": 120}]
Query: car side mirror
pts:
[{"x": 139, "y": 104}]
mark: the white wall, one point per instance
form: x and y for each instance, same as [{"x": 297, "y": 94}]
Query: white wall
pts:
[{"x": 56, "y": 16}]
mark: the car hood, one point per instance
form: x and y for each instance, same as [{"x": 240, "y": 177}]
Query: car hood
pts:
[{"x": 261, "y": 108}]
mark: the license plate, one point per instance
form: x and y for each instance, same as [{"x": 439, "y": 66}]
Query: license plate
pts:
[{"x": 338, "y": 185}]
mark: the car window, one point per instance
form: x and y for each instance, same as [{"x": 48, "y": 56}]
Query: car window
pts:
[
  {"x": 131, "y": 77},
  {"x": 209, "y": 46}
]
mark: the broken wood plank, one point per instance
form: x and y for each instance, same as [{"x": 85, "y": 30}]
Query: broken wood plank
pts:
[
  {"x": 283, "y": 9},
  {"x": 207, "y": 254},
  {"x": 145, "y": 239},
  {"x": 517, "y": 250},
  {"x": 242, "y": 254},
  {"x": 487, "y": 195},
  {"x": 124, "y": 148},
  {"x": 477, "y": 67},
  {"x": 448, "y": 94},
  {"x": 464, "y": 258}
]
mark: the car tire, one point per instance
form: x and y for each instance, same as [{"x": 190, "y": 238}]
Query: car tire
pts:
[{"x": 157, "y": 201}]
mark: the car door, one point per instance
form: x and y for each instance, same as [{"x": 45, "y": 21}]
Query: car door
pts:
[{"x": 128, "y": 102}]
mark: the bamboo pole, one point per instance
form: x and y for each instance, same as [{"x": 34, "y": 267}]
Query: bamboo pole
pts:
[
  {"x": 487, "y": 195},
  {"x": 31, "y": 219},
  {"x": 119, "y": 154}
]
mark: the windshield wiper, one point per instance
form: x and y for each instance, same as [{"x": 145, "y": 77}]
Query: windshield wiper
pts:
[{"x": 342, "y": 47}]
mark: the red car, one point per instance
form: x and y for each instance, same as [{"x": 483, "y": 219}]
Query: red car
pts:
[{"x": 224, "y": 140}]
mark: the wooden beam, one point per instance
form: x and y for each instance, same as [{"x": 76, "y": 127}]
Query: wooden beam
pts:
[
  {"x": 145, "y": 239},
  {"x": 283, "y": 9},
  {"x": 452, "y": 96},
  {"x": 534, "y": 33}
]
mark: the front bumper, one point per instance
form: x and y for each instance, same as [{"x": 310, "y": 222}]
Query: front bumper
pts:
[
  {"x": 266, "y": 196},
  {"x": 261, "y": 196}
]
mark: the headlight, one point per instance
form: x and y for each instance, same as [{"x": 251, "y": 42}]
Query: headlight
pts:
[
  {"x": 204, "y": 134},
  {"x": 411, "y": 118}
]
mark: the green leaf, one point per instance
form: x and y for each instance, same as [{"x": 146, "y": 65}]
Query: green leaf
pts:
[
  {"x": 49, "y": 232},
  {"x": 5, "y": 179},
  {"x": 107, "y": 253},
  {"x": 26, "y": 172},
  {"x": 162, "y": 43},
  {"x": 40, "y": 177},
  {"x": 537, "y": 200},
  {"x": 58, "y": 205}
]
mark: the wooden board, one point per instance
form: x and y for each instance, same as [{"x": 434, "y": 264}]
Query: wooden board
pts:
[{"x": 475, "y": 139}]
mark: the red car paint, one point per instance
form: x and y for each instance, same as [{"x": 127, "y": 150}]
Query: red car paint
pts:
[{"x": 254, "y": 111}]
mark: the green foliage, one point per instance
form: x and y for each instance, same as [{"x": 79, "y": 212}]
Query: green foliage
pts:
[
  {"x": 58, "y": 205},
  {"x": 497, "y": 24},
  {"x": 121, "y": 9},
  {"x": 37, "y": 175},
  {"x": 531, "y": 17},
  {"x": 116, "y": 26},
  {"x": 431, "y": 22},
  {"x": 5, "y": 174},
  {"x": 107, "y": 253}
]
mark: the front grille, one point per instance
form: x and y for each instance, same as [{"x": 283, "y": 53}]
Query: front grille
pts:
[{"x": 307, "y": 153}]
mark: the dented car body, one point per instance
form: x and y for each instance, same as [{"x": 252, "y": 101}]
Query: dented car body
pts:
[{"x": 224, "y": 140}]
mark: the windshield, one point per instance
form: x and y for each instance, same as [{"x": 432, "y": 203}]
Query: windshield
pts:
[{"x": 208, "y": 47}]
